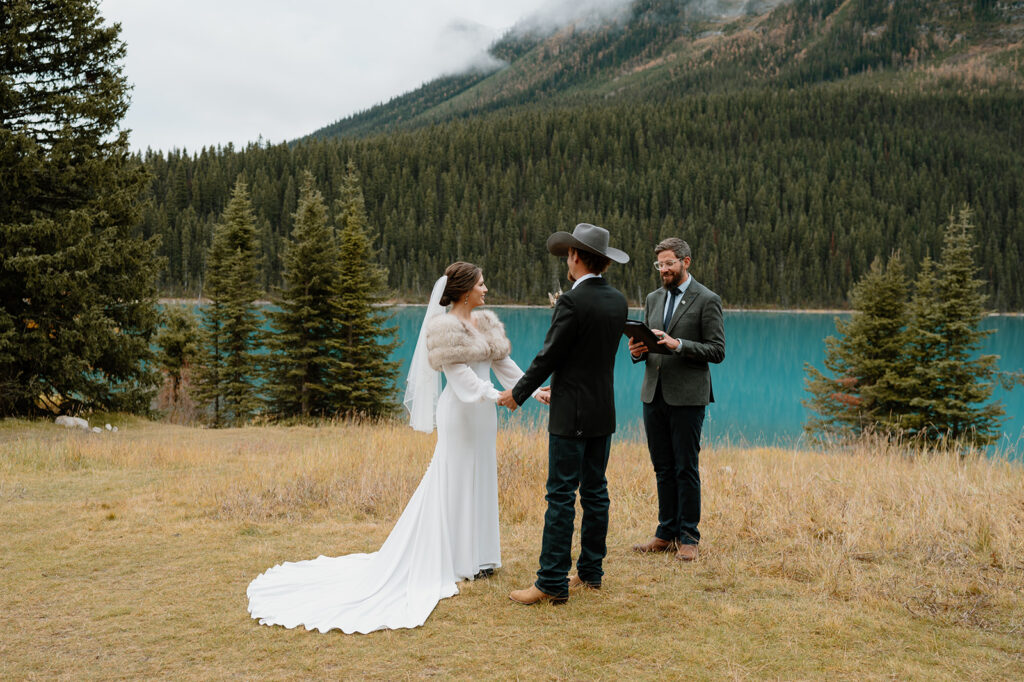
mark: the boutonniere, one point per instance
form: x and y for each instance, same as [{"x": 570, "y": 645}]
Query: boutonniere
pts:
[{"x": 553, "y": 297}]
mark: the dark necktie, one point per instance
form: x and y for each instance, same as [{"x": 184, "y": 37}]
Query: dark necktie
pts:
[{"x": 669, "y": 300}]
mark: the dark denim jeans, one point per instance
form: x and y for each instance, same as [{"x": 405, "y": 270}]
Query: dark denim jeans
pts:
[{"x": 574, "y": 463}]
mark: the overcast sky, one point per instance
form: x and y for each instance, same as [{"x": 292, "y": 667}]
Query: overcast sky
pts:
[{"x": 208, "y": 72}]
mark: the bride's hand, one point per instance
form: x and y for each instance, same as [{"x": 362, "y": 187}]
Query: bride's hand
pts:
[
  {"x": 505, "y": 399},
  {"x": 544, "y": 395}
]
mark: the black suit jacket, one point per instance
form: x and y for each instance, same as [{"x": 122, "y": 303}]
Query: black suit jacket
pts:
[{"x": 579, "y": 356}]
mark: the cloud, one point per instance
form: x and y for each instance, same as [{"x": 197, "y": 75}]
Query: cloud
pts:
[
  {"x": 588, "y": 14},
  {"x": 583, "y": 13},
  {"x": 462, "y": 45}
]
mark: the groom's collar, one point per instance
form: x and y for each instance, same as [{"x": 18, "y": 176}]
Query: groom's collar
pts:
[{"x": 584, "y": 278}]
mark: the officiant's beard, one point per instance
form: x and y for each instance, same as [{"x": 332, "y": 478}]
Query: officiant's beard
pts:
[{"x": 671, "y": 279}]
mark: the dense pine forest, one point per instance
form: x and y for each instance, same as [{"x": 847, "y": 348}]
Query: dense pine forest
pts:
[
  {"x": 789, "y": 148},
  {"x": 785, "y": 197}
]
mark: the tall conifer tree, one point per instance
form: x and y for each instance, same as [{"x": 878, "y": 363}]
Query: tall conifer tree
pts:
[
  {"x": 949, "y": 384},
  {"x": 77, "y": 287},
  {"x": 864, "y": 360},
  {"x": 229, "y": 372},
  {"x": 913, "y": 370},
  {"x": 305, "y": 362},
  {"x": 368, "y": 376}
]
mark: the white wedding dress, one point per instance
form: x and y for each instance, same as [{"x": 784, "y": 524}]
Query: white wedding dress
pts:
[{"x": 447, "y": 533}]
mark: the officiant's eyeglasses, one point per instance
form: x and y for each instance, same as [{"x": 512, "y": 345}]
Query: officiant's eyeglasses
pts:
[{"x": 661, "y": 265}]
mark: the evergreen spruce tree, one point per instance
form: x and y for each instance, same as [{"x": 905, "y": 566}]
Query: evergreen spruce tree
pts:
[
  {"x": 305, "y": 362},
  {"x": 229, "y": 371},
  {"x": 949, "y": 384},
  {"x": 177, "y": 351},
  {"x": 178, "y": 344},
  {"x": 864, "y": 360},
  {"x": 923, "y": 377},
  {"x": 77, "y": 287},
  {"x": 366, "y": 385}
]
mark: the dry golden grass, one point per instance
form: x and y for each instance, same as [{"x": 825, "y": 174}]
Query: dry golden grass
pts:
[{"x": 126, "y": 555}]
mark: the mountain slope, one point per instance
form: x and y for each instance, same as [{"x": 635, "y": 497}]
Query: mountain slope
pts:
[{"x": 665, "y": 49}]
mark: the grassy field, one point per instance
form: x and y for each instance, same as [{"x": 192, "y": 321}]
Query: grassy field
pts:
[{"x": 126, "y": 555}]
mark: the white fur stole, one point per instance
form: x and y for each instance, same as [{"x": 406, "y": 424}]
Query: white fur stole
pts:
[{"x": 449, "y": 341}]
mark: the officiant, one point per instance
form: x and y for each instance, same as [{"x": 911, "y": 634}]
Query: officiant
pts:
[{"x": 686, "y": 317}]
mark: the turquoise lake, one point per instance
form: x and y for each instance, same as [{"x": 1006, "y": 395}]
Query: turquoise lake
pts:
[{"x": 758, "y": 388}]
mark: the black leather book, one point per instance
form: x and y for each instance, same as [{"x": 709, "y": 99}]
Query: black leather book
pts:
[{"x": 639, "y": 331}]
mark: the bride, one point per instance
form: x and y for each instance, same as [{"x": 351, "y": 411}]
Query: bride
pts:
[{"x": 449, "y": 529}]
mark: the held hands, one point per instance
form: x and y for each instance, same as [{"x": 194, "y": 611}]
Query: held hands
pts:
[{"x": 505, "y": 399}]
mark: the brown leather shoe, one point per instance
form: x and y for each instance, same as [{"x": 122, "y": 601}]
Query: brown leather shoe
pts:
[
  {"x": 532, "y": 595},
  {"x": 655, "y": 544},
  {"x": 576, "y": 583},
  {"x": 687, "y": 553}
]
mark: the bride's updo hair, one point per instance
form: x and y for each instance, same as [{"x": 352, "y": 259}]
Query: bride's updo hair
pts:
[{"x": 461, "y": 278}]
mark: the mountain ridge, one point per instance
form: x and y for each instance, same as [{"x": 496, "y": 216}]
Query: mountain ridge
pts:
[{"x": 665, "y": 49}]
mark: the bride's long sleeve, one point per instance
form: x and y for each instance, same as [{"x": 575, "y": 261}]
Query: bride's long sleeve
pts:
[
  {"x": 508, "y": 372},
  {"x": 468, "y": 387}
]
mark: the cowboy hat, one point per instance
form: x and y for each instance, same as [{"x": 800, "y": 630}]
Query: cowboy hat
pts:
[{"x": 585, "y": 237}]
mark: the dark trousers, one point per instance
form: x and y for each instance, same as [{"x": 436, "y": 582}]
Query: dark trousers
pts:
[
  {"x": 673, "y": 438},
  {"x": 574, "y": 463}
]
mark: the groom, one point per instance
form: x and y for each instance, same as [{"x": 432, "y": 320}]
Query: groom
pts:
[{"x": 579, "y": 356}]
